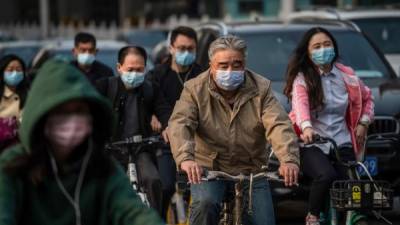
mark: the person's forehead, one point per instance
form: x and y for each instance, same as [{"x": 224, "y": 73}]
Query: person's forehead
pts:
[
  {"x": 227, "y": 55},
  {"x": 184, "y": 40},
  {"x": 319, "y": 38},
  {"x": 85, "y": 45},
  {"x": 133, "y": 59},
  {"x": 14, "y": 63}
]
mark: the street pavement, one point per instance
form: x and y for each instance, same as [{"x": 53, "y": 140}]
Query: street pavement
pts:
[{"x": 293, "y": 212}]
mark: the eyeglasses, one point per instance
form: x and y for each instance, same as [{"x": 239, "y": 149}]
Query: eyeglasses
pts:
[{"x": 185, "y": 48}]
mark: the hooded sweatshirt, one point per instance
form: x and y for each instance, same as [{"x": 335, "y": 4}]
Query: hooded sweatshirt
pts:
[{"x": 100, "y": 199}]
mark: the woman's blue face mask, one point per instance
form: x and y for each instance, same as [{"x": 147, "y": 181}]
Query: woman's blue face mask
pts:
[
  {"x": 323, "y": 56},
  {"x": 13, "y": 78}
]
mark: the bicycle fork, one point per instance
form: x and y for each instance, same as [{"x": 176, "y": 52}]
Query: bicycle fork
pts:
[
  {"x": 238, "y": 203},
  {"x": 133, "y": 178}
]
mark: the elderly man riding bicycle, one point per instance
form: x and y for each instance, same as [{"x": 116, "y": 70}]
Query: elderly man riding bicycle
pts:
[{"x": 223, "y": 121}]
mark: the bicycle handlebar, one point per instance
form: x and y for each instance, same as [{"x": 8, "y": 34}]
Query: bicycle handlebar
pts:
[
  {"x": 138, "y": 139},
  {"x": 219, "y": 175},
  {"x": 136, "y": 142}
]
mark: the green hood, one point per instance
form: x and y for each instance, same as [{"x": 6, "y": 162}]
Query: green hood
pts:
[{"x": 56, "y": 83}]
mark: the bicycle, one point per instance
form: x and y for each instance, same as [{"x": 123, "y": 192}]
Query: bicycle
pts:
[
  {"x": 354, "y": 195},
  {"x": 132, "y": 147},
  {"x": 232, "y": 204}
]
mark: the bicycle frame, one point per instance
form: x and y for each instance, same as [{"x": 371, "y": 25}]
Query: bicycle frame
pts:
[
  {"x": 352, "y": 216},
  {"x": 233, "y": 210},
  {"x": 135, "y": 145}
]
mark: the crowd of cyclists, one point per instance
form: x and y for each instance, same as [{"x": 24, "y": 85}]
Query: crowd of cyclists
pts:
[{"x": 53, "y": 128}]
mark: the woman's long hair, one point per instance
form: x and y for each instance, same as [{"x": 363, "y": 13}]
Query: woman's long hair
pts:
[
  {"x": 22, "y": 88},
  {"x": 301, "y": 62}
]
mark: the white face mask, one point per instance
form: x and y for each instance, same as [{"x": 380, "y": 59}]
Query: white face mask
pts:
[
  {"x": 68, "y": 131},
  {"x": 229, "y": 80}
]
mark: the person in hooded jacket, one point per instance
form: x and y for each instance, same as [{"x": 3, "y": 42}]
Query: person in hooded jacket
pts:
[{"x": 60, "y": 174}]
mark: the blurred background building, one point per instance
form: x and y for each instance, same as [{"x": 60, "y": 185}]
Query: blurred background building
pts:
[{"x": 51, "y": 17}]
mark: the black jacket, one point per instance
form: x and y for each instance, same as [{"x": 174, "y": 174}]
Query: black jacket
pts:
[
  {"x": 142, "y": 97},
  {"x": 166, "y": 83},
  {"x": 97, "y": 71}
]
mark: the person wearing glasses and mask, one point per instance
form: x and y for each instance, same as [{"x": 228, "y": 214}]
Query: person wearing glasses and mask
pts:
[
  {"x": 222, "y": 121},
  {"x": 168, "y": 80}
]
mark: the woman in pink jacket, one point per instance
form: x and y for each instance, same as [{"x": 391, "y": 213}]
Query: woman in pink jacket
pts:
[{"x": 328, "y": 100}]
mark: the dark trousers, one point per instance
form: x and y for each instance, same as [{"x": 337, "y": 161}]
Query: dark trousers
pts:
[
  {"x": 167, "y": 171},
  {"x": 149, "y": 179},
  {"x": 320, "y": 167}
]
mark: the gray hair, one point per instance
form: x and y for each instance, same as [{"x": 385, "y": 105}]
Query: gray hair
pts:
[{"x": 228, "y": 42}]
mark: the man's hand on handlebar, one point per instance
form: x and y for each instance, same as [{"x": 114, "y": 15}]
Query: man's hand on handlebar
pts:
[
  {"x": 290, "y": 173},
  {"x": 193, "y": 171}
]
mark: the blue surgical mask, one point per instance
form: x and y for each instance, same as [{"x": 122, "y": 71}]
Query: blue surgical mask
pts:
[
  {"x": 229, "y": 80},
  {"x": 323, "y": 56},
  {"x": 185, "y": 58},
  {"x": 132, "y": 79},
  {"x": 13, "y": 78},
  {"x": 85, "y": 58}
]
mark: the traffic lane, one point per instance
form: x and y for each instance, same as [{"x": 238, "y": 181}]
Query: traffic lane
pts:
[{"x": 293, "y": 213}]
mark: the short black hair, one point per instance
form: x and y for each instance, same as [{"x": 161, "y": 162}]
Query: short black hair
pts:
[
  {"x": 182, "y": 30},
  {"x": 83, "y": 37},
  {"x": 137, "y": 50}
]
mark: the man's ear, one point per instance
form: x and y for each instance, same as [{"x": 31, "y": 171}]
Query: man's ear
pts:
[
  {"x": 118, "y": 66},
  {"x": 74, "y": 51},
  {"x": 171, "y": 49},
  {"x": 96, "y": 51}
]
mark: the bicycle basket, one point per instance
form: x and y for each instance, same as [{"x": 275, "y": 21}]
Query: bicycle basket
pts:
[{"x": 361, "y": 194}]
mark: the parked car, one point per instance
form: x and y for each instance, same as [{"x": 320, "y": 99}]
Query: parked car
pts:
[
  {"x": 270, "y": 46},
  {"x": 62, "y": 49},
  {"x": 26, "y": 50},
  {"x": 381, "y": 26},
  {"x": 6, "y": 36},
  {"x": 144, "y": 37}
]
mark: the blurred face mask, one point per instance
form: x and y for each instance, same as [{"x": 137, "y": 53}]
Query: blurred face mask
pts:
[
  {"x": 132, "y": 79},
  {"x": 85, "y": 58},
  {"x": 323, "y": 56},
  {"x": 13, "y": 78},
  {"x": 68, "y": 131},
  {"x": 229, "y": 80},
  {"x": 185, "y": 58}
]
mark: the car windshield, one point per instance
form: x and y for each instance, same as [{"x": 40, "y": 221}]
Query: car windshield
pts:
[
  {"x": 26, "y": 53},
  {"x": 384, "y": 32},
  {"x": 146, "y": 38},
  {"x": 269, "y": 53}
]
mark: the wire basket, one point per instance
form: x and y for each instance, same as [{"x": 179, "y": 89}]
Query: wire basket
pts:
[{"x": 361, "y": 194}]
